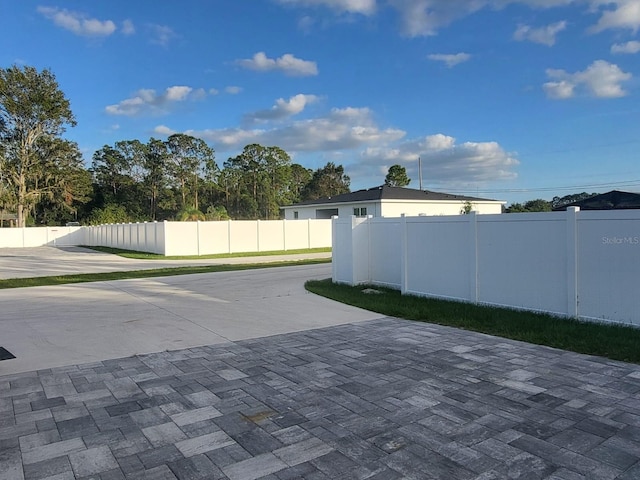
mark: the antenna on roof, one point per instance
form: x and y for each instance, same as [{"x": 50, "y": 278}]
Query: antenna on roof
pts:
[{"x": 420, "y": 171}]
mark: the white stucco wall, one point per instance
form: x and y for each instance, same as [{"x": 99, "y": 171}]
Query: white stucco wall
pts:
[{"x": 394, "y": 208}]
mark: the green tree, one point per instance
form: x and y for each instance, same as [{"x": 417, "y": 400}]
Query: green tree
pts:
[
  {"x": 191, "y": 215},
  {"x": 559, "y": 202},
  {"x": 538, "y": 205},
  {"x": 110, "y": 213},
  {"x": 155, "y": 180},
  {"x": 65, "y": 183},
  {"x": 327, "y": 181},
  {"x": 188, "y": 157},
  {"x": 397, "y": 176},
  {"x": 257, "y": 182},
  {"x": 33, "y": 109}
]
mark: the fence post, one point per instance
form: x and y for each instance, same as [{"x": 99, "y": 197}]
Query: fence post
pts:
[
  {"x": 403, "y": 255},
  {"x": 258, "y": 234},
  {"x": 284, "y": 234},
  {"x": 198, "y": 235},
  {"x": 335, "y": 249},
  {"x": 573, "y": 310},
  {"x": 473, "y": 260}
]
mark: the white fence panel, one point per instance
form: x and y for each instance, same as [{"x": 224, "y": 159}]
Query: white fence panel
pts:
[
  {"x": 214, "y": 238},
  {"x": 576, "y": 264},
  {"x": 438, "y": 256},
  {"x": 243, "y": 235},
  {"x": 318, "y": 234},
  {"x": 299, "y": 234},
  {"x": 386, "y": 249},
  {"x": 608, "y": 252},
  {"x": 522, "y": 260},
  {"x": 270, "y": 235}
]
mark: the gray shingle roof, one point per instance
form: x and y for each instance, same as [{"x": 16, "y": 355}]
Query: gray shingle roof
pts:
[
  {"x": 613, "y": 200},
  {"x": 385, "y": 192}
]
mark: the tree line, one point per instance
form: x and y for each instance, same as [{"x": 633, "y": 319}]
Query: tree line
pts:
[{"x": 44, "y": 181}]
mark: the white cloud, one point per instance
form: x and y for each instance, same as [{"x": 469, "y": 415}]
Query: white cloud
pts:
[
  {"x": 628, "y": 47},
  {"x": 287, "y": 64},
  {"x": 559, "y": 90},
  {"x": 445, "y": 162},
  {"x": 426, "y": 17},
  {"x": 163, "y": 130},
  {"x": 214, "y": 91},
  {"x": 78, "y": 23},
  {"x": 543, "y": 35},
  {"x": 148, "y": 101},
  {"x": 625, "y": 14},
  {"x": 341, "y": 129},
  {"x": 364, "y": 7},
  {"x": 283, "y": 108},
  {"x": 128, "y": 28},
  {"x": 233, "y": 90},
  {"x": 450, "y": 60},
  {"x": 161, "y": 34},
  {"x": 601, "y": 79}
]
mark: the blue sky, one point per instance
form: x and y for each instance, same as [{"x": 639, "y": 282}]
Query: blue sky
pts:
[{"x": 506, "y": 99}]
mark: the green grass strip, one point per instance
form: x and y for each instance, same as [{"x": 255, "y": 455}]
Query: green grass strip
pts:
[
  {"x": 156, "y": 256},
  {"x": 617, "y": 342},
  {"x": 157, "y": 272}
]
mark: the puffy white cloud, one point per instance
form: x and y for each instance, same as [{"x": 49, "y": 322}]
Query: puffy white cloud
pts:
[
  {"x": 364, "y": 7},
  {"x": 559, "y": 90},
  {"x": 341, "y": 129},
  {"x": 628, "y": 47},
  {"x": 450, "y": 60},
  {"x": 163, "y": 130},
  {"x": 625, "y": 14},
  {"x": 283, "y": 108},
  {"x": 233, "y": 90},
  {"x": 543, "y": 35},
  {"x": 287, "y": 63},
  {"x": 601, "y": 79},
  {"x": 148, "y": 101},
  {"x": 78, "y": 23},
  {"x": 444, "y": 161}
]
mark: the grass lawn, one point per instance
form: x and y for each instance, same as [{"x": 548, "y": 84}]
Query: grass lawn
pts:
[
  {"x": 606, "y": 340},
  {"x": 157, "y": 272},
  {"x": 156, "y": 256}
]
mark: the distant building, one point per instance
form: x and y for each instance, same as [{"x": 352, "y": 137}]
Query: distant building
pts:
[
  {"x": 386, "y": 201},
  {"x": 613, "y": 200}
]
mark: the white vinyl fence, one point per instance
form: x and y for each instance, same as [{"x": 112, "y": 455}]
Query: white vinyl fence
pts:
[
  {"x": 583, "y": 264},
  {"x": 181, "y": 238},
  {"x": 41, "y": 236}
]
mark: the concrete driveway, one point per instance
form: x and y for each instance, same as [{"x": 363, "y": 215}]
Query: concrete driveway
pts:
[
  {"x": 48, "y": 261},
  {"x": 48, "y": 327}
]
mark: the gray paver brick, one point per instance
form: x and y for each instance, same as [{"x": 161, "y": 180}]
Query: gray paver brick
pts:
[
  {"x": 254, "y": 467},
  {"x": 204, "y": 443},
  {"x": 92, "y": 461},
  {"x": 53, "y": 450}
]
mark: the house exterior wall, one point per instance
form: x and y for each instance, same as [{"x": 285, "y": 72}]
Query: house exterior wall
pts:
[
  {"x": 394, "y": 208},
  {"x": 344, "y": 210}
]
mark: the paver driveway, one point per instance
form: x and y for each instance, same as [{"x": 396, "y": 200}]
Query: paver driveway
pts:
[{"x": 380, "y": 399}]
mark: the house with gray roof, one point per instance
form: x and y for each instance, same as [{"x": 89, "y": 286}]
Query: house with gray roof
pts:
[{"x": 386, "y": 201}]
